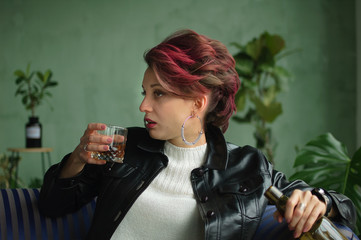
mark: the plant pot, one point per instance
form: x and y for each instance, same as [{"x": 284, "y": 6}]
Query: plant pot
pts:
[{"x": 33, "y": 132}]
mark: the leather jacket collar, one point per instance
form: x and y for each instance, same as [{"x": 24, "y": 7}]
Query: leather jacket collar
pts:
[{"x": 217, "y": 157}]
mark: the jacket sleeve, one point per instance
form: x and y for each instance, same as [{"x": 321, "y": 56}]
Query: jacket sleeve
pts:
[
  {"x": 345, "y": 209},
  {"x": 59, "y": 196}
]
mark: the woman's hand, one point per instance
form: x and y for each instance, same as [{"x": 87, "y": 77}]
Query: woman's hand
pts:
[
  {"x": 302, "y": 211},
  {"x": 91, "y": 141}
]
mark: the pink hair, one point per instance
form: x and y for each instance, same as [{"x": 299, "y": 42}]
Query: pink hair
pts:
[{"x": 189, "y": 65}]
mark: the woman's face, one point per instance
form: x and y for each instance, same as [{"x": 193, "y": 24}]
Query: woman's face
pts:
[{"x": 165, "y": 112}]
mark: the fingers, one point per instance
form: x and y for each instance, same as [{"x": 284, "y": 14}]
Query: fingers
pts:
[
  {"x": 91, "y": 141},
  {"x": 86, "y": 158},
  {"x": 118, "y": 138},
  {"x": 94, "y": 127},
  {"x": 317, "y": 211},
  {"x": 296, "y": 206},
  {"x": 302, "y": 210},
  {"x": 278, "y": 216},
  {"x": 96, "y": 143},
  {"x": 301, "y": 216}
]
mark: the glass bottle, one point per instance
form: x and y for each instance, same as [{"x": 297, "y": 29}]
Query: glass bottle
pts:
[
  {"x": 323, "y": 228},
  {"x": 33, "y": 132}
]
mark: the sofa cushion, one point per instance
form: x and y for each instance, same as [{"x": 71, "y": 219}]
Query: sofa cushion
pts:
[{"x": 20, "y": 219}]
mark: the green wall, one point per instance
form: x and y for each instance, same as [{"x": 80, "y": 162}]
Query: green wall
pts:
[
  {"x": 95, "y": 51},
  {"x": 358, "y": 67}
]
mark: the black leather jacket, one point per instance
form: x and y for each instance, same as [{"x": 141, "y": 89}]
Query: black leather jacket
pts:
[{"x": 228, "y": 188}]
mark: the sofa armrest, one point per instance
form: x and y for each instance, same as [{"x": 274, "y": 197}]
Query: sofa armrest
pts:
[{"x": 20, "y": 218}]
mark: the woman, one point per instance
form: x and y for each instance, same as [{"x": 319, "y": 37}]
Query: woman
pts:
[{"x": 180, "y": 179}]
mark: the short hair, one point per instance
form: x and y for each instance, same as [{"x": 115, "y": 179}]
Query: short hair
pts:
[{"x": 189, "y": 64}]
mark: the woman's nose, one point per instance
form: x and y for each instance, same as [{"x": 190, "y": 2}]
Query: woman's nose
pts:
[{"x": 144, "y": 106}]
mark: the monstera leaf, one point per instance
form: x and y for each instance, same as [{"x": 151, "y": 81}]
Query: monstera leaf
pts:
[{"x": 324, "y": 162}]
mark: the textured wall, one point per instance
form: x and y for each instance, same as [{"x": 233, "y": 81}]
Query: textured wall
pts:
[{"x": 95, "y": 51}]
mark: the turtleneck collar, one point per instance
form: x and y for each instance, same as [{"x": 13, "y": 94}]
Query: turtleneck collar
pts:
[{"x": 217, "y": 148}]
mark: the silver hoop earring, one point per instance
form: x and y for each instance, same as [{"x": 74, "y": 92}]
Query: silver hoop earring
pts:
[{"x": 182, "y": 132}]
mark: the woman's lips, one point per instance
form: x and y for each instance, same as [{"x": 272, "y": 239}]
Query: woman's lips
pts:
[{"x": 149, "y": 123}]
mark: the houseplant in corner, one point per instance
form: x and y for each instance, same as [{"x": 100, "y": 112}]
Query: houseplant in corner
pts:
[
  {"x": 324, "y": 162},
  {"x": 33, "y": 92},
  {"x": 8, "y": 172},
  {"x": 262, "y": 80}
]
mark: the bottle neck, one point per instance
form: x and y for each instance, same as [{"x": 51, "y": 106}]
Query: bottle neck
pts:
[
  {"x": 33, "y": 119},
  {"x": 277, "y": 198},
  {"x": 273, "y": 194}
]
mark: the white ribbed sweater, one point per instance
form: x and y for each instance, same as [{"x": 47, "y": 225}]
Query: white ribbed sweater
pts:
[{"x": 167, "y": 209}]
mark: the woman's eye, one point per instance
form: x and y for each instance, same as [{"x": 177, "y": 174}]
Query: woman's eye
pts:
[
  {"x": 158, "y": 93},
  {"x": 143, "y": 93}
]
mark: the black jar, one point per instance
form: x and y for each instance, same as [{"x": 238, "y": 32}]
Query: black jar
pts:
[{"x": 33, "y": 132}]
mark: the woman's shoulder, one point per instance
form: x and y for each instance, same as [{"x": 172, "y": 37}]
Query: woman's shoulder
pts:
[
  {"x": 246, "y": 149},
  {"x": 246, "y": 156}
]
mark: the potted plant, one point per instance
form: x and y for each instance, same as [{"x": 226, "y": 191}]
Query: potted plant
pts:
[
  {"x": 33, "y": 92},
  {"x": 8, "y": 172},
  {"x": 262, "y": 80},
  {"x": 324, "y": 162}
]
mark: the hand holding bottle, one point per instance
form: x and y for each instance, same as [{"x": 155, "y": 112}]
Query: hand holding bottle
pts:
[
  {"x": 304, "y": 214},
  {"x": 302, "y": 211}
]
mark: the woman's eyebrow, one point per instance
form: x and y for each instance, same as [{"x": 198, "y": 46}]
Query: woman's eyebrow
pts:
[{"x": 155, "y": 85}]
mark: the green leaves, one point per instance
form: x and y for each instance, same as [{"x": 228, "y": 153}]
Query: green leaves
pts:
[
  {"x": 262, "y": 80},
  {"x": 33, "y": 92},
  {"x": 323, "y": 150},
  {"x": 8, "y": 166},
  {"x": 267, "y": 110},
  {"x": 324, "y": 162},
  {"x": 20, "y": 74},
  {"x": 244, "y": 66}
]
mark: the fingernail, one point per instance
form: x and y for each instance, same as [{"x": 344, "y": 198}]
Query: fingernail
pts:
[
  {"x": 109, "y": 140},
  {"x": 106, "y": 148},
  {"x": 103, "y": 127}
]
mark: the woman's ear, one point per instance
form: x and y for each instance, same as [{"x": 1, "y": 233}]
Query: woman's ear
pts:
[{"x": 201, "y": 104}]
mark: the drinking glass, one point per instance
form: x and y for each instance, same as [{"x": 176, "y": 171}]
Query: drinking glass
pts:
[{"x": 116, "y": 147}]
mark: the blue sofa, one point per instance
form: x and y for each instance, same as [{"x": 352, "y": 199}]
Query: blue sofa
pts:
[{"x": 20, "y": 219}]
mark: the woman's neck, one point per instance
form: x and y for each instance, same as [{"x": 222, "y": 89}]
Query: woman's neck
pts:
[{"x": 180, "y": 143}]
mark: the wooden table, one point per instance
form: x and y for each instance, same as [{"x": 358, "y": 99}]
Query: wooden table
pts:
[{"x": 15, "y": 152}]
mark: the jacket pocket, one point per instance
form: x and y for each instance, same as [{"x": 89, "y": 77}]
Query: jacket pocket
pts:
[
  {"x": 244, "y": 186},
  {"x": 247, "y": 193}
]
